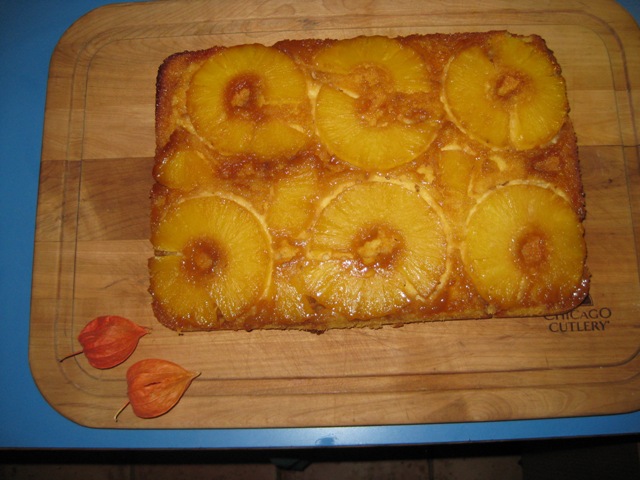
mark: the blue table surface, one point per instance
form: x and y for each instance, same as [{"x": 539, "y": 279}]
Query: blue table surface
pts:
[{"x": 29, "y": 32}]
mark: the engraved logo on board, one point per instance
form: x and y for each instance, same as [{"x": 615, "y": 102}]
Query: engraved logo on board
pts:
[{"x": 586, "y": 318}]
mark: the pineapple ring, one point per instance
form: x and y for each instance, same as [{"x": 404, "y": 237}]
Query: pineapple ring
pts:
[
  {"x": 377, "y": 91},
  {"x": 291, "y": 209},
  {"x": 525, "y": 247},
  {"x": 508, "y": 94},
  {"x": 250, "y": 99},
  {"x": 290, "y": 302},
  {"x": 183, "y": 164},
  {"x": 215, "y": 258},
  {"x": 374, "y": 248}
]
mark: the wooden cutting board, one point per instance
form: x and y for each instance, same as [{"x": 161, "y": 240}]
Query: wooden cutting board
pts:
[{"x": 92, "y": 235}]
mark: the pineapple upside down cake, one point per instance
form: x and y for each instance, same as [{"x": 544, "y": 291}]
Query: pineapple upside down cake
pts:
[{"x": 317, "y": 184}]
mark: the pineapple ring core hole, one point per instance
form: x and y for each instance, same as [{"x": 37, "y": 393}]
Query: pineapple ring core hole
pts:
[
  {"x": 532, "y": 250},
  {"x": 373, "y": 80},
  {"x": 509, "y": 85},
  {"x": 202, "y": 257},
  {"x": 379, "y": 103},
  {"x": 377, "y": 247},
  {"x": 243, "y": 97},
  {"x": 375, "y": 89}
]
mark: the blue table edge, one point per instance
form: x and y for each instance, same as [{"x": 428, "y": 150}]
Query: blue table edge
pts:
[{"x": 27, "y": 420}]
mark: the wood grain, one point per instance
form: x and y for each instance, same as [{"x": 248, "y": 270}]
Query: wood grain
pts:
[{"x": 92, "y": 236}]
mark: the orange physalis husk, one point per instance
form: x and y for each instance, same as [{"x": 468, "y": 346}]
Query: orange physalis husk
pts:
[
  {"x": 109, "y": 340},
  {"x": 155, "y": 386}
]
